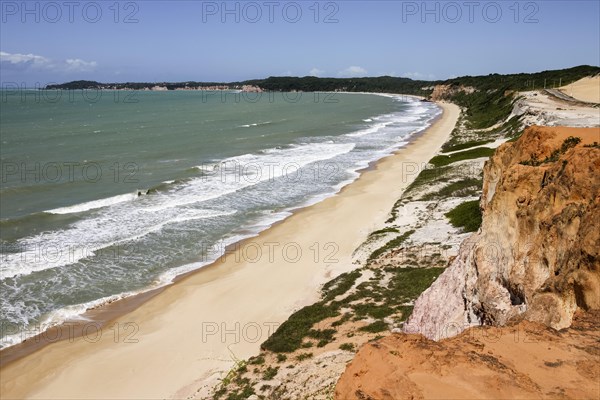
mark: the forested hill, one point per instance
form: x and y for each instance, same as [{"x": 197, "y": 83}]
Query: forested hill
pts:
[{"x": 385, "y": 84}]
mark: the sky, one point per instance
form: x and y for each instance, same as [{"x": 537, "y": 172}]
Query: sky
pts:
[{"x": 43, "y": 42}]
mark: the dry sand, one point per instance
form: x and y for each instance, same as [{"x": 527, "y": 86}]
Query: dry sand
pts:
[
  {"x": 198, "y": 327},
  {"x": 586, "y": 89}
]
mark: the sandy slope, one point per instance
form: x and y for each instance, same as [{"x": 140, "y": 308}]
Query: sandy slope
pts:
[
  {"x": 586, "y": 89},
  {"x": 522, "y": 361},
  {"x": 538, "y": 108},
  {"x": 196, "y": 327}
]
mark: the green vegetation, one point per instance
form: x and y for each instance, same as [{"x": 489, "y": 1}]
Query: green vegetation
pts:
[
  {"x": 463, "y": 138},
  {"x": 242, "y": 389},
  {"x": 384, "y": 230},
  {"x": 288, "y": 337},
  {"x": 394, "y": 243},
  {"x": 368, "y": 300},
  {"x": 515, "y": 138},
  {"x": 281, "y": 357},
  {"x": 258, "y": 360},
  {"x": 241, "y": 394},
  {"x": 511, "y": 127},
  {"x": 526, "y": 81},
  {"x": 339, "y": 285},
  {"x": 377, "y": 326},
  {"x": 466, "y": 215},
  {"x": 406, "y": 284},
  {"x": 442, "y": 160},
  {"x": 323, "y": 336},
  {"x": 373, "y": 310},
  {"x": 304, "y": 356},
  {"x": 270, "y": 373},
  {"x": 346, "y": 317},
  {"x": 593, "y": 145},
  {"x": 425, "y": 177},
  {"x": 347, "y": 347},
  {"x": 406, "y": 311},
  {"x": 447, "y": 148},
  {"x": 569, "y": 143},
  {"x": 484, "y": 108},
  {"x": 382, "y": 84},
  {"x": 463, "y": 188}
]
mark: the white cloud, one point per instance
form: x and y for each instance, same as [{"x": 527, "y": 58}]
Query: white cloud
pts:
[
  {"x": 23, "y": 60},
  {"x": 418, "y": 76},
  {"x": 316, "y": 72},
  {"x": 79, "y": 65},
  {"x": 17, "y": 61},
  {"x": 353, "y": 71}
]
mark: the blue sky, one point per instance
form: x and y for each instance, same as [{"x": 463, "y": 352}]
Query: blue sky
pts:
[{"x": 46, "y": 42}]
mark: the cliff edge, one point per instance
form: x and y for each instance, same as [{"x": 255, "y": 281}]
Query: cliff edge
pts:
[{"x": 523, "y": 361}]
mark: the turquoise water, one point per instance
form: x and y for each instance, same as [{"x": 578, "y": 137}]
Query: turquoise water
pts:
[{"x": 107, "y": 194}]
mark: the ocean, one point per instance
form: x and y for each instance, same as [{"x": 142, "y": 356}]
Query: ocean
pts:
[{"x": 108, "y": 194}]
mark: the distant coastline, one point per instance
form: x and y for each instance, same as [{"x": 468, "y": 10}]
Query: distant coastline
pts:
[{"x": 381, "y": 84}]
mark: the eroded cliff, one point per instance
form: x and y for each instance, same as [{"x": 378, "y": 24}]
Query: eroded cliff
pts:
[{"x": 537, "y": 253}]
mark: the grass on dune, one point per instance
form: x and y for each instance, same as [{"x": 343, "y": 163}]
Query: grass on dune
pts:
[
  {"x": 447, "y": 148},
  {"x": 392, "y": 244},
  {"x": 466, "y": 215},
  {"x": 464, "y": 187},
  {"x": 442, "y": 160}
]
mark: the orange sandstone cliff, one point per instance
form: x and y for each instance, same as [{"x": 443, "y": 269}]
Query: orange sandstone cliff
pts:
[
  {"x": 532, "y": 268},
  {"x": 538, "y": 250}
]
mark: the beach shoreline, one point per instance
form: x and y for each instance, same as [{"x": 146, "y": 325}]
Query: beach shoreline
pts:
[
  {"x": 104, "y": 311},
  {"x": 167, "y": 360}
]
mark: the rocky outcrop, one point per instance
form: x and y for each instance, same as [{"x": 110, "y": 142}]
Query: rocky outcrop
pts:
[
  {"x": 251, "y": 89},
  {"x": 525, "y": 361},
  {"x": 537, "y": 254},
  {"x": 444, "y": 92}
]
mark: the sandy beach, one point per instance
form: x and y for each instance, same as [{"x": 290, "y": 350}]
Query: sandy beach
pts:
[{"x": 197, "y": 327}]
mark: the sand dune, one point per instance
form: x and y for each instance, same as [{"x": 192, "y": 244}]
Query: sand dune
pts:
[{"x": 586, "y": 89}]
